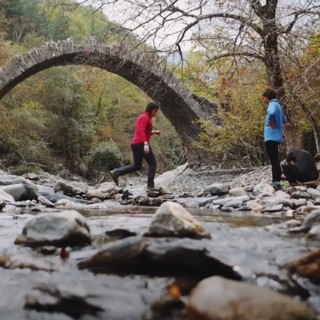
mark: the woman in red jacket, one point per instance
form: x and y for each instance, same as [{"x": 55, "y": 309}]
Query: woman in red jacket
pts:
[{"x": 141, "y": 149}]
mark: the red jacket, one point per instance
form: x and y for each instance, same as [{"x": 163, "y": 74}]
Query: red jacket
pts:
[{"x": 143, "y": 129}]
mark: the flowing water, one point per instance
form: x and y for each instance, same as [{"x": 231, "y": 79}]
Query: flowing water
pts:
[{"x": 243, "y": 241}]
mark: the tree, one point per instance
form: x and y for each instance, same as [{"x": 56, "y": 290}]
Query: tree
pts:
[
  {"x": 268, "y": 32},
  {"x": 70, "y": 122}
]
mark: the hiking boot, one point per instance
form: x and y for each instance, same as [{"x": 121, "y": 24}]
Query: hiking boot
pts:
[
  {"x": 114, "y": 177},
  {"x": 276, "y": 185},
  {"x": 152, "y": 192}
]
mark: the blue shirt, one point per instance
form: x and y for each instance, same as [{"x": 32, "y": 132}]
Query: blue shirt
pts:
[{"x": 274, "y": 114}]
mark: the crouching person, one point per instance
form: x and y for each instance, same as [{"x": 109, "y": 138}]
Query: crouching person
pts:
[{"x": 299, "y": 166}]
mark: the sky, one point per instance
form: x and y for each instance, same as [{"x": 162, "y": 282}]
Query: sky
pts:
[{"x": 121, "y": 13}]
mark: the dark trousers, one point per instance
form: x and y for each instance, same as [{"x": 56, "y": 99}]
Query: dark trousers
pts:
[
  {"x": 138, "y": 156},
  {"x": 272, "y": 148}
]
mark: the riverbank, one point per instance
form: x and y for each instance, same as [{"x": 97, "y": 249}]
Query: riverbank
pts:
[{"x": 124, "y": 274}]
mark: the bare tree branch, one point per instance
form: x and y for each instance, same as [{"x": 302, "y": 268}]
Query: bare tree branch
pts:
[{"x": 238, "y": 54}]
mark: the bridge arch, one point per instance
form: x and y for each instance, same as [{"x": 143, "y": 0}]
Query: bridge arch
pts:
[{"x": 177, "y": 103}]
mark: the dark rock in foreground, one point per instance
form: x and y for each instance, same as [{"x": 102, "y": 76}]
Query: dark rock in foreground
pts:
[{"x": 158, "y": 257}]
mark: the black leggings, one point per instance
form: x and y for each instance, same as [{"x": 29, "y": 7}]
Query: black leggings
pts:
[
  {"x": 272, "y": 148},
  {"x": 138, "y": 156}
]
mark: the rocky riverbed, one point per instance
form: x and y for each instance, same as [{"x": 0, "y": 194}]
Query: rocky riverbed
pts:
[{"x": 217, "y": 244}]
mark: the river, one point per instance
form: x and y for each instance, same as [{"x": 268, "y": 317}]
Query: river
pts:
[{"x": 60, "y": 291}]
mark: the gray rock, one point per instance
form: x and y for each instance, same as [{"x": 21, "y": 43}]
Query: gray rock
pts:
[
  {"x": 216, "y": 189},
  {"x": 65, "y": 228},
  {"x": 158, "y": 257},
  {"x": 313, "y": 192},
  {"x": 200, "y": 201},
  {"x": 15, "y": 190},
  {"x": 173, "y": 220},
  {"x": 218, "y": 298},
  {"x": 7, "y": 179},
  {"x": 4, "y": 196}
]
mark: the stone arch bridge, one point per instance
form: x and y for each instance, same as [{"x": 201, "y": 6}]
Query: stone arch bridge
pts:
[{"x": 178, "y": 104}]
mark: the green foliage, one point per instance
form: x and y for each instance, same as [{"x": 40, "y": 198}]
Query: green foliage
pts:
[
  {"x": 70, "y": 110},
  {"x": 239, "y": 140},
  {"x": 21, "y": 137},
  {"x": 23, "y": 169},
  {"x": 23, "y": 17},
  {"x": 69, "y": 120},
  {"x": 106, "y": 156}
]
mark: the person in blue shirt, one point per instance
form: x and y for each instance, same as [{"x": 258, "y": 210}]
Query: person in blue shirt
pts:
[{"x": 273, "y": 134}]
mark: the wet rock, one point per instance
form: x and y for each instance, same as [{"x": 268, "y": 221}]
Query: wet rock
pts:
[
  {"x": 27, "y": 262},
  {"x": 237, "y": 192},
  {"x": 224, "y": 201},
  {"x": 120, "y": 233},
  {"x": 216, "y": 298},
  {"x": 15, "y": 190},
  {"x": 103, "y": 191},
  {"x": 166, "y": 307},
  {"x": 31, "y": 192},
  {"x": 272, "y": 208},
  {"x": 285, "y": 225},
  {"x": 60, "y": 298},
  {"x": 71, "y": 188},
  {"x": 120, "y": 298},
  {"x": 282, "y": 194},
  {"x": 142, "y": 200},
  {"x": 301, "y": 194},
  {"x": 31, "y": 176},
  {"x": 191, "y": 205},
  {"x": 235, "y": 203},
  {"x": 2, "y": 204},
  {"x": 158, "y": 257},
  {"x": 4, "y": 196},
  {"x": 216, "y": 189},
  {"x": 314, "y": 233},
  {"x": 200, "y": 201},
  {"x": 255, "y": 205},
  {"x": 313, "y": 193},
  {"x": 289, "y": 214},
  {"x": 65, "y": 228},
  {"x": 307, "y": 266},
  {"x": 298, "y": 202},
  {"x": 44, "y": 201},
  {"x": 8, "y": 179},
  {"x": 173, "y": 220},
  {"x": 308, "y": 222},
  {"x": 263, "y": 188}
]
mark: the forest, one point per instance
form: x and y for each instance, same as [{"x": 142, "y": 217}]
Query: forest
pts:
[{"x": 79, "y": 119}]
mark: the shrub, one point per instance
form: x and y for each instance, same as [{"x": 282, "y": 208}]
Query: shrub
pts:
[{"x": 106, "y": 156}]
